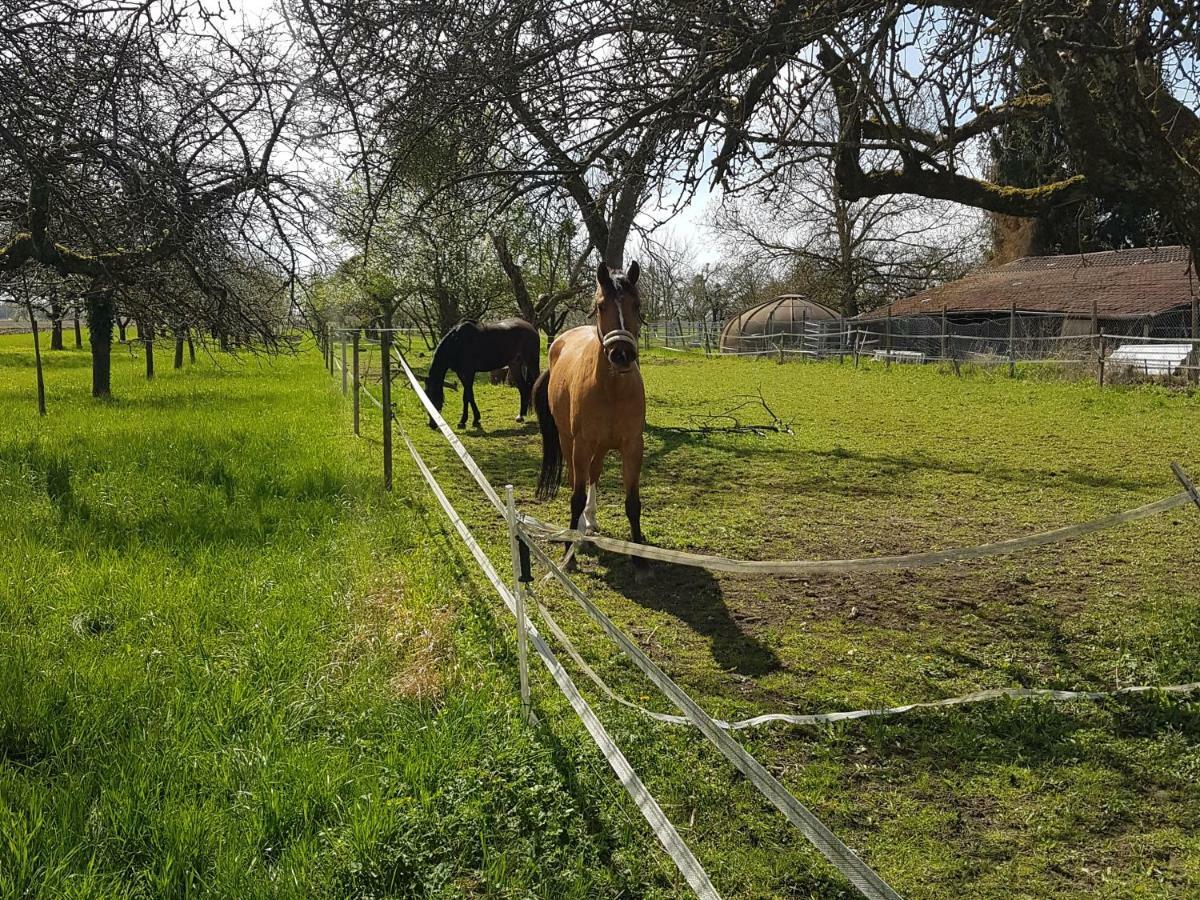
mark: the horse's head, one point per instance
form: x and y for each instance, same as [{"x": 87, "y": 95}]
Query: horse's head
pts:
[
  {"x": 618, "y": 313},
  {"x": 435, "y": 390}
]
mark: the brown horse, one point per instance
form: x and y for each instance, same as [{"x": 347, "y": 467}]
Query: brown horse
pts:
[{"x": 591, "y": 400}]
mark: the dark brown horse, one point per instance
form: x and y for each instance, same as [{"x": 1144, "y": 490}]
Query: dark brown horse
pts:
[
  {"x": 469, "y": 348},
  {"x": 591, "y": 400}
]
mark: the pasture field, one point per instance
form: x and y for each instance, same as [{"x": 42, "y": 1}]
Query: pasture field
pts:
[
  {"x": 230, "y": 667},
  {"x": 1002, "y": 799},
  {"x": 233, "y": 667}
]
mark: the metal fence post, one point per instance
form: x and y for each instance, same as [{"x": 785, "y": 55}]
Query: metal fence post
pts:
[
  {"x": 1012, "y": 340},
  {"x": 385, "y": 352},
  {"x": 519, "y": 596},
  {"x": 887, "y": 339},
  {"x": 943, "y": 347},
  {"x": 345, "y": 374},
  {"x": 1195, "y": 374},
  {"x": 356, "y": 398}
]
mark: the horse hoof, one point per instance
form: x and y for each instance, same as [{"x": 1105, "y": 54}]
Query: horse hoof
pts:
[{"x": 520, "y": 418}]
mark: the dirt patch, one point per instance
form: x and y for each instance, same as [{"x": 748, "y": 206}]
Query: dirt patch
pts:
[{"x": 412, "y": 644}]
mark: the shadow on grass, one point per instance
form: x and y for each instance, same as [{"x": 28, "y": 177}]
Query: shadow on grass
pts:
[{"x": 694, "y": 597}]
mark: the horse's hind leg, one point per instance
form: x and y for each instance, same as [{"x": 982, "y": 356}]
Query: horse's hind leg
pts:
[{"x": 524, "y": 386}]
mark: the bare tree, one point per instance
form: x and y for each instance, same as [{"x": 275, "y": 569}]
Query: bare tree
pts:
[
  {"x": 849, "y": 255},
  {"x": 143, "y": 134}
]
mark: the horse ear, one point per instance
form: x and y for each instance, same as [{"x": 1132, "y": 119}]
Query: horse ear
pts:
[
  {"x": 603, "y": 276},
  {"x": 633, "y": 272}
]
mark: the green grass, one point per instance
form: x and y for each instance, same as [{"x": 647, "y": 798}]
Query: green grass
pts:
[
  {"x": 233, "y": 667},
  {"x": 1004, "y": 799}
]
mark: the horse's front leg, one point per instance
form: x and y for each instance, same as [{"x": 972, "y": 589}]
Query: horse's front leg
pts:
[
  {"x": 470, "y": 395},
  {"x": 631, "y": 474},
  {"x": 467, "y": 386},
  {"x": 580, "y": 463}
]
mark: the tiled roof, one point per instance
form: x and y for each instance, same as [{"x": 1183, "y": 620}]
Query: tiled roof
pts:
[{"x": 1122, "y": 283}]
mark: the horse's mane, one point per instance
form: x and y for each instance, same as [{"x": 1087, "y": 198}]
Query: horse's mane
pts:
[{"x": 448, "y": 342}]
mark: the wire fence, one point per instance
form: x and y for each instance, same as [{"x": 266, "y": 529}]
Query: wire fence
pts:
[{"x": 1168, "y": 348}]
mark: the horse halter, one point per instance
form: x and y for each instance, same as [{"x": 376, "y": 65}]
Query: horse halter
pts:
[{"x": 619, "y": 335}]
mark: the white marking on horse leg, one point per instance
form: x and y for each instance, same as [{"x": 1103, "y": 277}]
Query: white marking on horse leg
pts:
[{"x": 589, "y": 510}]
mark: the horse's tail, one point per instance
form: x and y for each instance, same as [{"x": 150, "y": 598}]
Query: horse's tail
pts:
[
  {"x": 531, "y": 363},
  {"x": 552, "y": 461}
]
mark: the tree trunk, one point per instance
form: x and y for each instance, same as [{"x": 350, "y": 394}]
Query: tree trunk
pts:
[
  {"x": 100, "y": 331},
  {"x": 191, "y": 348},
  {"x": 56, "y": 331},
  {"x": 37, "y": 361},
  {"x": 179, "y": 349},
  {"x": 516, "y": 278},
  {"x": 122, "y": 324},
  {"x": 146, "y": 330},
  {"x": 78, "y": 333}
]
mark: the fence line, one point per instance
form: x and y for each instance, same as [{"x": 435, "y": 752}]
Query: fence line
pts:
[
  {"x": 663, "y": 830},
  {"x": 829, "y": 718}
]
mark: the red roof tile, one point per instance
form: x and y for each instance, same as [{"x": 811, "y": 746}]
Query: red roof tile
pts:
[{"x": 1122, "y": 283}]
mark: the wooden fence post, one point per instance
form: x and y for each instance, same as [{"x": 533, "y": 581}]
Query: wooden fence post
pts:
[
  {"x": 1012, "y": 340},
  {"x": 803, "y": 333},
  {"x": 385, "y": 351},
  {"x": 345, "y": 374},
  {"x": 148, "y": 341},
  {"x": 356, "y": 391},
  {"x": 37, "y": 362},
  {"x": 1100, "y": 359}
]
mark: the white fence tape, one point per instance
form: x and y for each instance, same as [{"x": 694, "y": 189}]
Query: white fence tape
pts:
[
  {"x": 868, "y": 564},
  {"x": 849, "y": 715},
  {"x": 679, "y": 852},
  {"x": 862, "y": 876}
]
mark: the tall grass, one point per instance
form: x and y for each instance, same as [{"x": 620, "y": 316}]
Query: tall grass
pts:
[{"x": 229, "y": 666}]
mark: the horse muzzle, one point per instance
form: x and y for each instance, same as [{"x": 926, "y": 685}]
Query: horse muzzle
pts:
[{"x": 620, "y": 346}]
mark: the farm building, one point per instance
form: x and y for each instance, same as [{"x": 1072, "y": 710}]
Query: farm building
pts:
[
  {"x": 784, "y": 318},
  {"x": 1046, "y": 307},
  {"x": 1146, "y": 292}
]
